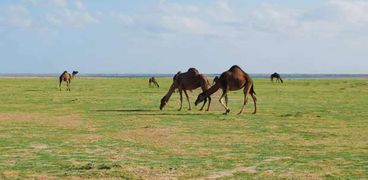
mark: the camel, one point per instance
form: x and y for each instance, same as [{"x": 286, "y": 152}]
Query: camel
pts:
[
  {"x": 189, "y": 80},
  {"x": 233, "y": 79},
  {"x": 67, "y": 77},
  {"x": 153, "y": 83},
  {"x": 277, "y": 77}
]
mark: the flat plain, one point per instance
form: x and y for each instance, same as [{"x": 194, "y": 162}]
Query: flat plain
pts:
[{"x": 113, "y": 128}]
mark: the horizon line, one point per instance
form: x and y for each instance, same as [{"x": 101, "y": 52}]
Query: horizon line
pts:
[{"x": 127, "y": 75}]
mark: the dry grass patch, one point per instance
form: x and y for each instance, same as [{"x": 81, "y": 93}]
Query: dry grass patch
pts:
[
  {"x": 229, "y": 173},
  {"x": 159, "y": 136},
  {"x": 39, "y": 146},
  {"x": 69, "y": 121},
  {"x": 9, "y": 174},
  {"x": 158, "y": 174}
]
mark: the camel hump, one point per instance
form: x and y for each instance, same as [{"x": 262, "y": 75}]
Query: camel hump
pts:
[
  {"x": 234, "y": 67},
  {"x": 193, "y": 70}
]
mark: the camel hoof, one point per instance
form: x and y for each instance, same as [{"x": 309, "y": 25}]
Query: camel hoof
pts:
[
  {"x": 179, "y": 109},
  {"x": 254, "y": 113},
  {"x": 201, "y": 110}
]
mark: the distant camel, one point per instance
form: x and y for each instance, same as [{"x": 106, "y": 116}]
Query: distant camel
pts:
[
  {"x": 67, "y": 77},
  {"x": 189, "y": 80},
  {"x": 277, "y": 77},
  {"x": 233, "y": 79},
  {"x": 153, "y": 83}
]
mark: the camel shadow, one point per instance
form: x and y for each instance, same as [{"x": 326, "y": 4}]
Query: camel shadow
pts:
[
  {"x": 147, "y": 112},
  {"x": 124, "y": 110},
  {"x": 33, "y": 90}
]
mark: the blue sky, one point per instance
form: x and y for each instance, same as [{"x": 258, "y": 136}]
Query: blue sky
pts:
[{"x": 165, "y": 36}]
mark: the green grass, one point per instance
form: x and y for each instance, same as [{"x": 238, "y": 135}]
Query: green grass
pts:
[{"x": 112, "y": 128}]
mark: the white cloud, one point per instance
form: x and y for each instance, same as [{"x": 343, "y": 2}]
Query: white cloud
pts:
[
  {"x": 60, "y": 3},
  {"x": 16, "y": 16},
  {"x": 72, "y": 18},
  {"x": 332, "y": 19},
  {"x": 270, "y": 18},
  {"x": 354, "y": 11},
  {"x": 66, "y": 15},
  {"x": 185, "y": 24},
  {"x": 123, "y": 19},
  {"x": 217, "y": 20},
  {"x": 80, "y": 5}
]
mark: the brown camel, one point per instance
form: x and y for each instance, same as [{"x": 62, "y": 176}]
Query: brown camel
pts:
[
  {"x": 67, "y": 77},
  {"x": 277, "y": 77},
  {"x": 189, "y": 80},
  {"x": 153, "y": 83},
  {"x": 233, "y": 79}
]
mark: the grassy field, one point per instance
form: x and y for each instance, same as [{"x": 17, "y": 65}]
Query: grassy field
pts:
[{"x": 112, "y": 128}]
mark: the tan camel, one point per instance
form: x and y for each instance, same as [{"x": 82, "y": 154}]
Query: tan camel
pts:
[
  {"x": 67, "y": 77},
  {"x": 189, "y": 80},
  {"x": 233, "y": 79},
  {"x": 152, "y": 82}
]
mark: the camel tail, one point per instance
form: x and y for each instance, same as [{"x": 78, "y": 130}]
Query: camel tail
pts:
[{"x": 252, "y": 90}]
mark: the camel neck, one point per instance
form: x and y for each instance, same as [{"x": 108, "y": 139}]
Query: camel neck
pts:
[
  {"x": 212, "y": 90},
  {"x": 170, "y": 92}
]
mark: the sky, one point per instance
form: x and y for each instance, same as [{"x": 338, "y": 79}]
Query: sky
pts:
[{"x": 166, "y": 36}]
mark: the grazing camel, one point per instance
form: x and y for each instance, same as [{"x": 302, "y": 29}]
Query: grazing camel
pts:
[
  {"x": 153, "y": 83},
  {"x": 277, "y": 77},
  {"x": 233, "y": 79},
  {"x": 67, "y": 77},
  {"x": 189, "y": 80}
]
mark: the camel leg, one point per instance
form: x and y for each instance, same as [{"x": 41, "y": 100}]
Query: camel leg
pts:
[
  {"x": 254, "y": 101},
  {"x": 204, "y": 103},
  {"x": 68, "y": 85},
  {"x": 222, "y": 103},
  {"x": 246, "y": 92},
  {"x": 205, "y": 88},
  {"x": 226, "y": 101},
  {"x": 181, "y": 99},
  {"x": 186, "y": 95},
  {"x": 209, "y": 104},
  {"x": 158, "y": 86}
]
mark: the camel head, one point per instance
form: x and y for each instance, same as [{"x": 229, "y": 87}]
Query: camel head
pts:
[
  {"x": 201, "y": 97},
  {"x": 163, "y": 102},
  {"x": 74, "y": 73}
]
